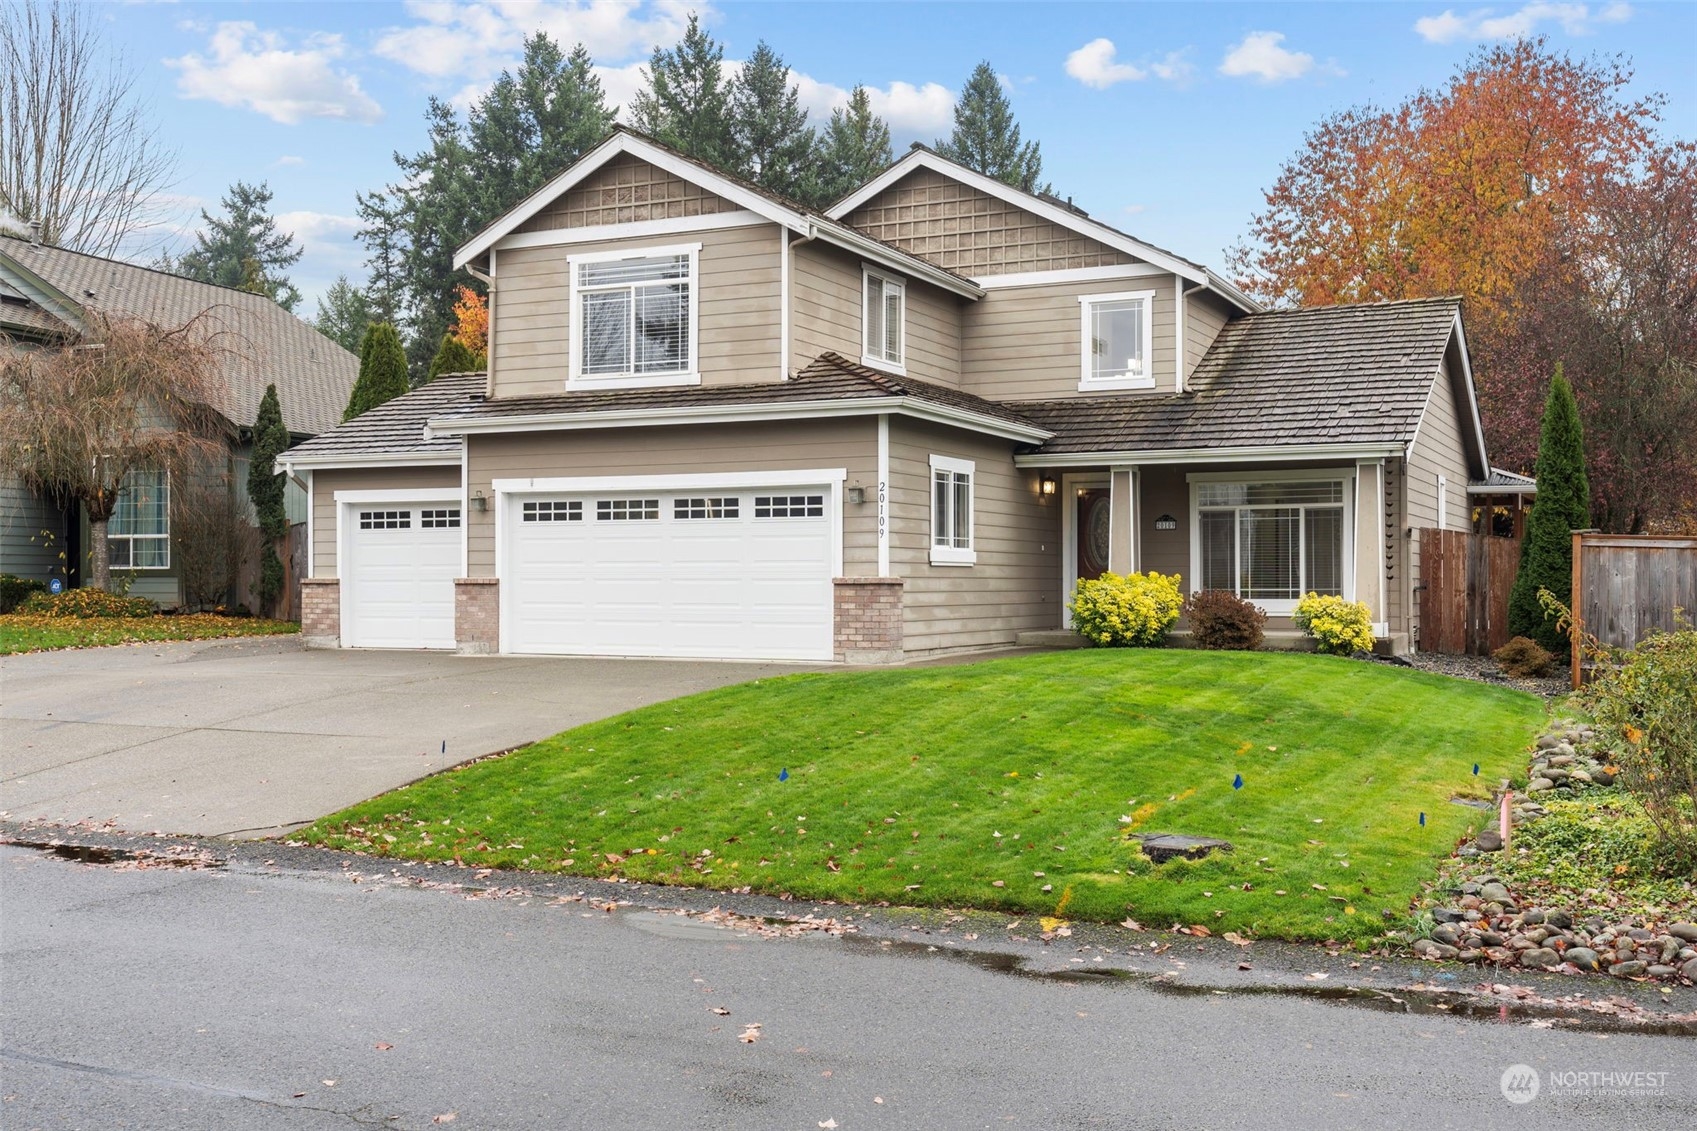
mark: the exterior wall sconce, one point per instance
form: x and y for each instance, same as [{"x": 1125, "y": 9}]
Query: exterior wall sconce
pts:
[
  {"x": 479, "y": 502},
  {"x": 1048, "y": 486},
  {"x": 857, "y": 495},
  {"x": 1166, "y": 522}
]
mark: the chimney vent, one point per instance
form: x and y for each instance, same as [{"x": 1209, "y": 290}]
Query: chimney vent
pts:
[{"x": 35, "y": 233}]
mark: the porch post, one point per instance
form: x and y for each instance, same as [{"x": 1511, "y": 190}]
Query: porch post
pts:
[
  {"x": 1122, "y": 501},
  {"x": 1370, "y": 547}
]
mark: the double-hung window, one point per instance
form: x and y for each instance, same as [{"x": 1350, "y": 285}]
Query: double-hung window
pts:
[
  {"x": 951, "y": 511},
  {"x": 634, "y": 317},
  {"x": 1271, "y": 541},
  {"x": 884, "y": 318},
  {"x": 138, "y": 535},
  {"x": 1116, "y": 331}
]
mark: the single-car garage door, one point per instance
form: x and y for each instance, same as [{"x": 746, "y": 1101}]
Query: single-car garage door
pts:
[
  {"x": 398, "y": 574},
  {"x": 712, "y": 573}
]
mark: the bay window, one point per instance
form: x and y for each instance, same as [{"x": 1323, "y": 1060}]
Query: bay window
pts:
[
  {"x": 138, "y": 535},
  {"x": 1271, "y": 541},
  {"x": 634, "y": 317},
  {"x": 1116, "y": 332}
]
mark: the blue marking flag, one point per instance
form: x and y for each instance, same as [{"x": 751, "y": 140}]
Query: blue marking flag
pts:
[
  {"x": 1422, "y": 819},
  {"x": 1475, "y": 769},
  {"x": 784, "y": 774},
  {"x": 1237, "y": 781}
]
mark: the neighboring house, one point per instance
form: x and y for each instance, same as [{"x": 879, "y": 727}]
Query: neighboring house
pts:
[
  {"x": 47, "y": 296},
  {"x": 718, "y": 424}
]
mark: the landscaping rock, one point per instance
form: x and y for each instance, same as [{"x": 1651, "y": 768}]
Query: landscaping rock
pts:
[
  {"x": 1533, "y": 916},
  {"x": 1447, "y": 915},
  {"x": 1686, "y": 932},
  {"x": 1489, "y": 841},
  {"x": 1658, "y": 970},
  {"x": 1631, "y": 969},
  {"x": 1446, "y": 933},
  {"x": 1540, "y": 785},
  {"x": 1539, "y": 957},
  {"x": 1442, "y": 952},
  {"x": 1583, "y": 957},
  {"x": 1494, "y": 893},
  {"x": 1689, "y": 970}
]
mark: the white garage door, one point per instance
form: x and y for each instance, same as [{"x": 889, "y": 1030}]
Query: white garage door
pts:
[
  {"x": 398, "y": 581},
  {"x": 699, "y": 573}
]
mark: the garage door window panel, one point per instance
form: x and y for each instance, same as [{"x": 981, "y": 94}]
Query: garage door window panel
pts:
[
  {"x": 385, "y": 520},
  {"x": 552, "y": 510},
  {"x": 627, "y": 510},
  {"x": 687, "y": 509},
  {"x": 789, "y": 506}
]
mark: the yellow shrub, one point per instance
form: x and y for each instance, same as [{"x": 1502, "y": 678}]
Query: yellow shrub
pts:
[
  {"x": 1121, "y": 610},
  {"x": 1340, "y": 626}
]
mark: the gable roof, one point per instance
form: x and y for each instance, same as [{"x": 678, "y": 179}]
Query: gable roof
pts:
[
  {"x": 1049, "y": 208},
  {"x": 393, "y": 432},
  {"x": 261, "y": 341},
  {"x": 763, "y": 202},
  {"x": 1349, "y": 377}
]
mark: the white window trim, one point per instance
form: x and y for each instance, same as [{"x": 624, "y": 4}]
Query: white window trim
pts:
[
  {"x": 1443, "y": 500},
  {"x": 576, "y": 379},
  {"x": 953, "y": 555},
  {"x": 1345, "y": 476},
  {"x": 898, "y": 365},
  {"x": 1087, "y": 382},
  {"x": 131, "y": 538}
]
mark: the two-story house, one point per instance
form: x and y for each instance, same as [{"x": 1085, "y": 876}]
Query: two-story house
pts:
[{"x": 718, "y": 424}]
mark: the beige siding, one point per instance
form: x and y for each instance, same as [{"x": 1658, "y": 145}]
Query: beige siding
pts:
[
  {"x": 1026, "y": 343},
  {"x": 972, "y": 232},
  {"x": 326, "y": 483},
  {"x": 1439, "y": 450},
  {"x": 626, "y": 190},
  {"x": 1205, "y": 315},
  {"x": 738, "y": 314},
  {"x": 828, "y": 307},
  {"x": 849, "y": 443},
  {"x": 1015, "y": 584}
]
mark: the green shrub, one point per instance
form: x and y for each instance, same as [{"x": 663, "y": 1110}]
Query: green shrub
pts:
[
  {"x": 1220, "y": 619},
  {"x": 87, "y": 603},
  {"x": 1646, "y": 711},
  {"x": 1522, "y": 658},
  {"x": 1126, "y": 610},
  {"x": 1338, "y": 626},
  {"x": 14, "y": 589}
]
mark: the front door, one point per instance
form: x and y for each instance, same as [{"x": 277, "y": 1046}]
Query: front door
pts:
[{"x": 1092, "y": 527}]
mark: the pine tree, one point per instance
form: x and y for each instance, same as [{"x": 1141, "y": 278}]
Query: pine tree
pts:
[
  {"x": 775, "y": 146},
  {"x": 688, "y": 102},
  {"x": 1563, "y": 505},
  {"x": 344, "y": 314},
  {"x": 243, "y": 248},
  {"x": 384, "y": 237},
  {"x": 453, "y": 357},
  {"x": 382, "y": 371},
  {"x": 855, "y": 148},
  {"x": 986, "y": 137},
  {"x": 265, "y": 487},
  {"x": 437, "y": 197}
]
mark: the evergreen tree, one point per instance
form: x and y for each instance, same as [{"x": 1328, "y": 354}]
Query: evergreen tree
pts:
[
  {"x": 265, "y": 488},
  {"x": 382, "y": 371},
  {"x": 243, "y": 248},
  {"x": 986, "y": 137},
  {"x": 384, "y": 237},
  {"x": 688, "y": 102},
  {"x": 1563, "y": 505},
  {"x": 438, "y": 198},
  {"x": 854, "y": 149},
  {"x": 344, "y": 313},
  {"x": 454, "y": 357},
  {"x": 775, "y": 146}
]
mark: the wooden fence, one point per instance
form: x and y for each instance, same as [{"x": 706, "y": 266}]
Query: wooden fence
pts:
[
  {"x": 1627, "y": 585},
  {"x": 1464, "y": 585}
]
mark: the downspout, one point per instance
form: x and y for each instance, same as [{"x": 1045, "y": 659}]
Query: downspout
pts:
[
  {"x": 1178, "y": 321},
  {"x": 785, "y": 275}
]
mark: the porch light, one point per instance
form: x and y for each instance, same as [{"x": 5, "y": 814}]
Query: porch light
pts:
[
  {"x": 857, "y": 495},
  {"x": 1048, "y": 485},
  {"x": 479, "y": 502}
]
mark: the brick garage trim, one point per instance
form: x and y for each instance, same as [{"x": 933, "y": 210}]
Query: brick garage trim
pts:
[
  {"x": 477, "y": 615},
  {"x": 321, "y": 612},
  {"x": 868, "y": 619}
]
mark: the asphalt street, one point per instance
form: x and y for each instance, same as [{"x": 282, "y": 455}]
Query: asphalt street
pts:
[{"x": 294, "y": 998}]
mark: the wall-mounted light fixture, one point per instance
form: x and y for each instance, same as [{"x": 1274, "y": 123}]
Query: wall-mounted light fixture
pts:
[
  {"x": 857, "y": 495},
  {"x": 1166, "y": 522},
  {"x": 1048, "y": 486},
  {"x": 479, "y": 502}
]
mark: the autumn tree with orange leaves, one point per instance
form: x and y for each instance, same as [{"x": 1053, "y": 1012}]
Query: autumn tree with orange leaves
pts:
[
  {"x": 471, "y": 321},
  {"x": 1537, "y": 188}
]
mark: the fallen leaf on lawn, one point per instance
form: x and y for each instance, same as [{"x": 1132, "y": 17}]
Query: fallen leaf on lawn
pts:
[
  {"x": 1132, "y": 925},
  {"x": 446, "y": 1117},
  {"x": 1199, "y": 929},
  {"x": 1318, "y": 887},
  {"x": 382, "y": 1046},
  {"x": 1050, "y": 923},
  {"x": 1234, "y": 937},
  {"x": 997, "y": 884}
]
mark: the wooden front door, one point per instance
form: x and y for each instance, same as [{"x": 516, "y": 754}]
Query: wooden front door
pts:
[{"x": 1092, "y": 526}]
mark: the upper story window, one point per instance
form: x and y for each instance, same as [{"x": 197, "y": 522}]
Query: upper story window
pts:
[
  {"x": 634, "y": 317},
  {"x": 885, "y": 320},
  {"x": 1116, "y": 334},
  {"x": 138, "y": 535}
]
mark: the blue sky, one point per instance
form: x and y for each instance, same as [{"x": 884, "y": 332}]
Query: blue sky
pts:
[{"x": 1167, "y": 120}]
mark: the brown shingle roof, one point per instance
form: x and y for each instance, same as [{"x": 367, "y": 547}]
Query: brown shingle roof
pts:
[
  {"x": 263, "y": 342},
  {"x": 1312, "y": 375},
  {"x": 397, "y": 427}
]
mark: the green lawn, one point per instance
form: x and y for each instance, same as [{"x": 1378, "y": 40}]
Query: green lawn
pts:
[
  {"x": 928, "y": 786},
  {"x": 21, "y": 632}
]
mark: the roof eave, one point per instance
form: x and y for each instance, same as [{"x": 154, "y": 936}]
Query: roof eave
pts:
[{"x": 1258, "y": 453}]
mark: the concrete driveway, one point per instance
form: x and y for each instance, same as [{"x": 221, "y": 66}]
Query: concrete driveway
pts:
[{"x": 253, "y": 737}]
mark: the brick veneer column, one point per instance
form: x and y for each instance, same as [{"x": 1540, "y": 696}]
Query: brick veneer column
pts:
[
  {"x": 477, "y": 615},
  {"x": 868, "y": 619},
  {"x": 321, "y": 612}
]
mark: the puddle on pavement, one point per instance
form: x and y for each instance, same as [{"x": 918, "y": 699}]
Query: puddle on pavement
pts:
[
  {"x": 676, "y": 926},
  {"x": 89, "y": 854}
]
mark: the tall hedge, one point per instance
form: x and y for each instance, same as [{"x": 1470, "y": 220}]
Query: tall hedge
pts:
[
  {"x": 265, "y": 487},
  {"x": 1563, "y": 505},
  {"x": 382, "y": 370},
  {"x": 454, "y": 357}
]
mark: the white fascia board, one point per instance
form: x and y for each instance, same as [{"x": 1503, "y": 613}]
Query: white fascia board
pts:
[
  {"x": 741, "y": 414},
  {"x": 622, "y": 143},
  {"x": 413, "y": 495},
  {"x": 686, "y": 481},
  {"x": 1279, "y": 453},
  {"x": 1070, "y": 275},
  {"x": 639, "y": 229},
  {"x": 921, "y": 159},
  {"x": 1230, "y": 292},
  {"x": 1472, "y": 393},
  {"x": 367, "y": 459}
]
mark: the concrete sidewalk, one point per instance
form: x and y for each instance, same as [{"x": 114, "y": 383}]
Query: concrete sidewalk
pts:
[{"x": 250, "y": 737}]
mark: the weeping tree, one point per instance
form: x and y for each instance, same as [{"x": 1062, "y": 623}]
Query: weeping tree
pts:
[{"x": 129, "y": 396}]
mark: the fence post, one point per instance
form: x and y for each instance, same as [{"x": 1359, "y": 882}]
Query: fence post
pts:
[{"x": 1576, "y": 625}]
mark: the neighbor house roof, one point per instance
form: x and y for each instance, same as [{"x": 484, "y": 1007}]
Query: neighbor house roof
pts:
[
  {"x": 1308, "y": 377},
  {"x": 393, "y": 432},
  {"x": 1500, "y": 482},
  {"x": 262, "y": 342}
]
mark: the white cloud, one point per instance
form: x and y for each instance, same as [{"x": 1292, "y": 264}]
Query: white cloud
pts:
[
  {"x": 256, "y": 70},
  {"x": 1097, "y": 65},
  {"x": 1486, "y": 23},
  {"x": 287, "y": 160},
  {"x": 1260, "y": 56}
]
